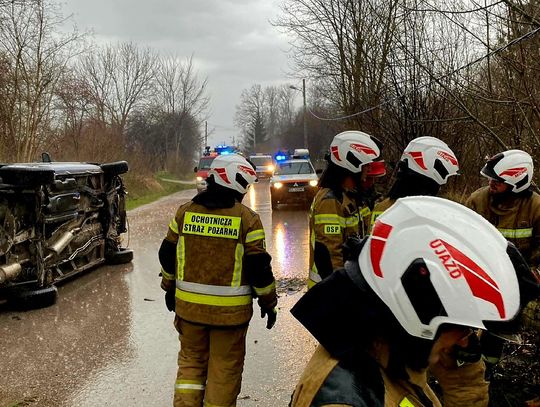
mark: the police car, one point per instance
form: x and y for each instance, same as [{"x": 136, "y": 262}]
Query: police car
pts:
[{"x": 294, "y": 181}]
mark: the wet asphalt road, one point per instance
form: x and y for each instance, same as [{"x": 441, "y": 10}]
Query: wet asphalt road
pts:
[{"x": 109, "y": 340}]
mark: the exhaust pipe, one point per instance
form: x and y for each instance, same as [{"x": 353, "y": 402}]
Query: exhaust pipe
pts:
[
  {"x": 62, "y": 242},
  {"x": 9, "y": 272}
]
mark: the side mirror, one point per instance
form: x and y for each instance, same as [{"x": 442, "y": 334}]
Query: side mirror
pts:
[
  {"x": 195, "y": 169},
  {"x": 318, "y": 172}
]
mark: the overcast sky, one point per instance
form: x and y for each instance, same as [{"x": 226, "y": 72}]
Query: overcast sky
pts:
[{"x": 232, "y": 41}]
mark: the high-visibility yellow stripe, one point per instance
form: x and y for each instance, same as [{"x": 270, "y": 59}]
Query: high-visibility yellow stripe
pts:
[
  {"x": 166, "y": 275},
  {"x": 365, "y": 211},
  {"x": 191, "y": 381},
  {"x": 516, "y": 233},
  {"x": 238, "y": 261},
  {"x": 351, "y": 221},
  {"x": 181, "y": 257},
  {"x": 213, "y": 299},
  {"x": 173, "y": 226},
  {"x": 255, "y": 235},
  {"x": 406, "y": 403},
  {"x": 204, "y": 224},
  {"x": 331, "y": 218},
  {"x": 210, "y": 289},
  {"x": 374, "y": 216},
  {"x": 189, "y": 386},
  {"x": 265, "y": 290}
]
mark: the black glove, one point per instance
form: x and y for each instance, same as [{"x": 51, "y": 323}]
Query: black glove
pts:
[
  {"x": 272, "y": 315},
  {"x": 170, "y": 300}
]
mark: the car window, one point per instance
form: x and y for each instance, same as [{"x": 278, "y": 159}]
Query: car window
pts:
[
  {"x": 204, "y": 163},
  {"x": 290, "y": 168},
  {"x": 260, "y": 161}
]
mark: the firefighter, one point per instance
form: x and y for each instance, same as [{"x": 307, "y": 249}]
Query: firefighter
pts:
[
  {"x": 425, "y": 165},
  {"x": 509, "y": 203},
  {"x": 334, "y": 213},
  {"x": 415, "y": 289},
  {"x": 370, "y": 195},
  {"x": 213, "y": 261}
]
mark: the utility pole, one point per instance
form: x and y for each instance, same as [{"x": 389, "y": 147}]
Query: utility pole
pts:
[{"x": 305, "y": 113}]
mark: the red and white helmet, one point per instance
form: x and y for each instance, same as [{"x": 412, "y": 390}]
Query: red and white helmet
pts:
[
  {"x": 432, "y": 158},
  {"x": 352, "y": 149},
  {"x": 433, "y": 261},
  {"x": 513, "y": 167},
  {"x": 233, "y": 171}
]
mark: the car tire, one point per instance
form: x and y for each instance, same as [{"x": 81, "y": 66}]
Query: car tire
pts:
[
  {"x": 115, "y": 168},
  {"x": 34, "y": 298},
  {"x": 121, "y": 256},
  {"x": 30, "y": 177}
]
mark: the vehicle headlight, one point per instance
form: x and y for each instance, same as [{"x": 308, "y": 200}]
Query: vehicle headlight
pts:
[
  {"x": 278, "y": 185},
  {"x": 199, "y": 179},
  {"x": 313, "y": 182},
  {"x": 270, "y": 167}
]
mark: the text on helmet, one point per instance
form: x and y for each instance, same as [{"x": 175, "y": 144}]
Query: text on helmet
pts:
[
  {"x": 448, "y": 157},
  {"x": 361, "y": 148},
  {"x": 514, "y": 172},
  {"x": 446, "y": 258}
]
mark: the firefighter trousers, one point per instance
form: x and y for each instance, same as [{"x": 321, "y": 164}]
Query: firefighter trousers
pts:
[{"x": 210, "y": 364}]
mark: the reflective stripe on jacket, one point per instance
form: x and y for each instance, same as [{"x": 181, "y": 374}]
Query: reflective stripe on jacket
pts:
[
  {"x": 516, "y": 216},
  {"x": 331, "y": 221},
  {"x": 211, "y": 244},
  {"x": 378, "y": 209}
]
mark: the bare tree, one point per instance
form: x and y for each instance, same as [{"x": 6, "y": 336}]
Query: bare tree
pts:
[
  {"x": 35, "y": 57},
  {"x": 120, "y": 79},
  {"x": 181, "y": 93}
]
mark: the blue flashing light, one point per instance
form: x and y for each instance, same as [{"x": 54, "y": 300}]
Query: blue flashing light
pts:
[
  {"x": 225, "y": 152},
  {"x": 280, "y": 157}
]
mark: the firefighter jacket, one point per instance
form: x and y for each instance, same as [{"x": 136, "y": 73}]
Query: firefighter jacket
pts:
[
  {"x": 517, "y": 216},
  {"x": 333, "y": 218},
  {"x": 220, "y": 263},
  {"x": 328, "y": 382},
  {"x": 378, "y": 209}
]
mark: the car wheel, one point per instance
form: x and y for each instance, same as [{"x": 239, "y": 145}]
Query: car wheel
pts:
[
  {"x": 121, "y": 256},
  {"x": 34, "y": 298},
  {"x": 29, "y": 177},
  {"x": 115, "y": 168}
]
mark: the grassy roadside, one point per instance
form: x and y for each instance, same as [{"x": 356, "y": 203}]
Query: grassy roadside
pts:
[{"x": 145, "y": 189}]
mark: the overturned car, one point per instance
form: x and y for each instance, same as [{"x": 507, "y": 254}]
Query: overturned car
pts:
[{"x": 57, "y": 219}]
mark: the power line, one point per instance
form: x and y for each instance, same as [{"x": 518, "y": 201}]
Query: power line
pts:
[
  {"x": 434, "y": 10},
  {"x": 495, "y": 51}
]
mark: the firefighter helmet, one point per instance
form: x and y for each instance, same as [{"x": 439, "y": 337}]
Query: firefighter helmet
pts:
[
  {"x": 233, "y": 171},
  {"x": 433, "y": 261},
  {"x": 352, "y": 149},
  {"x": 513, "y": 167},
  {"x": 432, "y": 158}
]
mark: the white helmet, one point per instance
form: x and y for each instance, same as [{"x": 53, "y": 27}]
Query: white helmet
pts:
[
  {"x": 433, "y": 261},
  {"x": 513, "y": 167},
  {"x": 233, "y": 171},
  {"x": 432, "y": 158},
  {"x": 353, "y": 149}
]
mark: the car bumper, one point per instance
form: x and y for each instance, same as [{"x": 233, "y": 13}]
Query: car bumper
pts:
[{"x": 293, "y": 194}]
